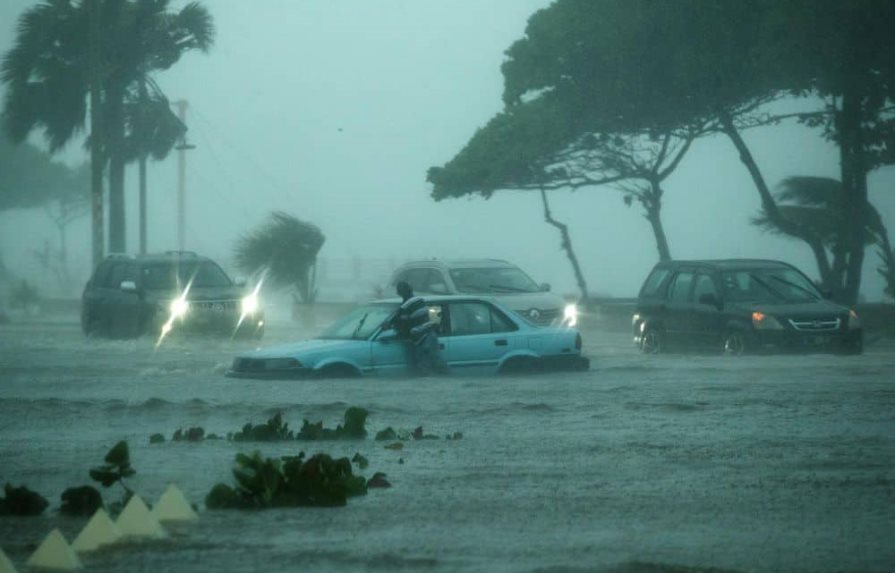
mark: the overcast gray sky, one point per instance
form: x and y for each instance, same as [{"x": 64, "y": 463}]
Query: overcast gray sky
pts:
[{"x": 333, "y": 110}]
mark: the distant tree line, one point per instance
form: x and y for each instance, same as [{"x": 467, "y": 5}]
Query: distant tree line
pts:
[{"x": 614, "y": 92}]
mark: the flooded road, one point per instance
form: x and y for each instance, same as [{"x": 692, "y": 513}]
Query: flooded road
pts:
[{"x": 783, "y": 463}]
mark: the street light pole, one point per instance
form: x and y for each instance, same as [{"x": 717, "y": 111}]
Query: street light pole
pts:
[{"x": 182, "y": 148}]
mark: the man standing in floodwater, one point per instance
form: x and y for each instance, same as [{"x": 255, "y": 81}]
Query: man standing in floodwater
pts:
[{"x": 412, "y": 324}]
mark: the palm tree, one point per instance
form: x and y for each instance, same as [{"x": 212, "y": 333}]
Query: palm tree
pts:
[
  {"x": 818, "y": 205},
  {"x": 285, "y": 251},
  {"x": 47, "y": 76}
]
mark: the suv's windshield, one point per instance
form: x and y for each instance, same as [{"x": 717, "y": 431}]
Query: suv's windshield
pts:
[
  {"x": 171, "y": 276},
  {"x": 768, "y": 285},
  {"x": 492, "y": 280},
  {"x": 360, "y": 323}
]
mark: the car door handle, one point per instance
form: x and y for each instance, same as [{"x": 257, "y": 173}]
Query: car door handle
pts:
[{"x": 500, "y": 342}]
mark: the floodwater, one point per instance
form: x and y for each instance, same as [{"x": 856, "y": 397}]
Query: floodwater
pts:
[{"x": 668, "y": 463}]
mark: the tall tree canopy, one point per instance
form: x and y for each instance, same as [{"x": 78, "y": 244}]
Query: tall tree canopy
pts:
[
  {"x": 639, "y": 66},
  {"x": 47, "y": 79},
  {"x": 30, "y": 178}
]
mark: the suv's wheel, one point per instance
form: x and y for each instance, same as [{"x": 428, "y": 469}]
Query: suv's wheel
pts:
[
  {"x": 651, "y": 341},
  {"x": 90, "y": 326},
  {"x": 735, "y": 343}
]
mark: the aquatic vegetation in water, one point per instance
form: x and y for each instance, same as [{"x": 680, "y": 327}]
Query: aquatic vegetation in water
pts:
[
  {"x": 274, "y": 430},
  {"x": 291, "y": 481},
  {"x": 386, "y": 434},
  {"x": 361, "y": 461},
  {"x": 378, "y": 481},
  {"x": 419, "y": 435},
  {"x": 389, "y": 434},
  {"x": 353, "y": 428},
  {"x": 21, "y": 501},
  {"x": 83, "y": 500},
  {"x": 156, "y": 439},
  {"x": 116, "y": 468},
  {"x": 189, "y": 435}
]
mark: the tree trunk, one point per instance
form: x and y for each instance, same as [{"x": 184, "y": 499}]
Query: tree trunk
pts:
[
  {"x": 115, "y": 105},
  {"x": 854, "y": 185},
  {"x": 567, "y": 247},
  {"x": 96, "y": 136},
  {"x": 770, "y": 206},
  {"x": 652, "y": 203},
  {"x": 142, "y": 167}
]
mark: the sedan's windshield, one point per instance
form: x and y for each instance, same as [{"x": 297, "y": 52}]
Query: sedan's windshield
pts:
[
  {"x": 492, "y": 280},
  {"x": 171, "y": 276},
  {"x": 768, "y": 285},
  {"x": 360, "y": 323}
]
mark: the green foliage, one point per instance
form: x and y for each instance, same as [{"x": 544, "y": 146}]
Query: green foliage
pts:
[
  {"x": 378, "y": 481},
  {"x": 24, "y": 295},
  {"x": 116, "y": 468},
  {"x": 387, "y": 434},
  {"x": 156, "y": 439},
  {"x": 29, "y": 178},
  {"x": 77, "y": 501},
  {"x": 196, "y": 434},
  {"x": 290, "y": 481},
  {"x": 21, "y": 501},
  {"x": 353, "y": 429},
  {"x": 274, "y": 430},
  {"x": 361, "y": 461},
  {"x": 284, "y": 250}
]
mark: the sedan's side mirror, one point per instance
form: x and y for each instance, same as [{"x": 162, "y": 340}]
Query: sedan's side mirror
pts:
[
  {"x": 710, "y": 300},
  {"x": 545, "y": 287},
  {"x": 388, "y": 335},
  {"x": 128, "y": 286}
]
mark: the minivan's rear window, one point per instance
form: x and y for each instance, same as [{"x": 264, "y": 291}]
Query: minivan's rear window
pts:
[{"x": 653, "y": 283}]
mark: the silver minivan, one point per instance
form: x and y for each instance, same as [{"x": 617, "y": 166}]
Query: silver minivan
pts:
[{"x": 496, "y": 278}]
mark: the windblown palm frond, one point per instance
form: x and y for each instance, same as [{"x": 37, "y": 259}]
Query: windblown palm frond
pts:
[
  {"x": 817, "y": 204},
  {"x": 285, "y": 248}
]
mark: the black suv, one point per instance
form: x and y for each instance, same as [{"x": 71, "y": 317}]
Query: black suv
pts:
[
  {"x": 739, "y": 306},
  {"x": 128, "y": 296}
]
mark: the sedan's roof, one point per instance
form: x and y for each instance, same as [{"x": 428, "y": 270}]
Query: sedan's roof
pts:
[{"x": 438, "y": 298}]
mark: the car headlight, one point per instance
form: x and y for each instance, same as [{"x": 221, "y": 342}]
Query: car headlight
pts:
[
  {"x": 762, "y": 321},
  {"x": 853, "y": 321},
  {"x": 179, "y": 307},
  {"x": 250, "y": 304},
  {"x": 570, "y": 314}
]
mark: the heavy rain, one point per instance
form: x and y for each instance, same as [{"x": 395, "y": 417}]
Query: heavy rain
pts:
[{"x": 420, "y": 285}]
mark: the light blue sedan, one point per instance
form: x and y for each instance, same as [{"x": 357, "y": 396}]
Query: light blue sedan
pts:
[{"x": 475, "y": 335}]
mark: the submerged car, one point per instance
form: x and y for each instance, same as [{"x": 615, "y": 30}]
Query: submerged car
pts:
[
  {"x": 129, "y": 296},
  {"x": 495, "y": 278},
  {"x": 475, "y": 334},
  {"x": 740, "y": 306}
]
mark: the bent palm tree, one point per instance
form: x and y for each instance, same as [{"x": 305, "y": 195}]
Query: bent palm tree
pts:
[
  {"x": 818, "y": 204},
  {"x": 47, "y": 77},
  {"x": 285, "y": 249}
]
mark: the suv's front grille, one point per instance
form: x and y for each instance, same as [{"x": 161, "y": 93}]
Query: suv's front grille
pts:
[
  {"x": 214, "y": 305},
  {"x": 816, "y": 325}
]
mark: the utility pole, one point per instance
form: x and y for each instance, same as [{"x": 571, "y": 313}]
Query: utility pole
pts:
[
  {"x": 142, "y": 171},
  {"x": 96, "y": 132},
  {"x": 182, "y": 148}
]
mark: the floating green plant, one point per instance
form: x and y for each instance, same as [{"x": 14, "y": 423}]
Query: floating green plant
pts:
[
  {"x": 291, "y": 481},
  {"x": 21, "y": 501},
  {"x": 83, "y": 500},
  {"x": 353, "y": 428},
  {"x": 274, "y": 430}
]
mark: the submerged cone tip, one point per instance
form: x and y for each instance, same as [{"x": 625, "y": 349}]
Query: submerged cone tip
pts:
[
  {"x": 173, "y": 506},
  {"x": 55, "y": 553},
  {"x": 99, "y": 531}
]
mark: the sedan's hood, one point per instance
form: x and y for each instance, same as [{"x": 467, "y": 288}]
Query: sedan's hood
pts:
[{"x": 304, "y": 348}]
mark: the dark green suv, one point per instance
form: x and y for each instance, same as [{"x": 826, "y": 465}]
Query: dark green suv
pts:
[
  {"x": 740, "y": 306},
  {"x": 129, "y": 296}
]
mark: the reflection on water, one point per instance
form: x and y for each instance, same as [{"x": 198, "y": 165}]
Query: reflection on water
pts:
[{"x": 699, "y": 461}]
